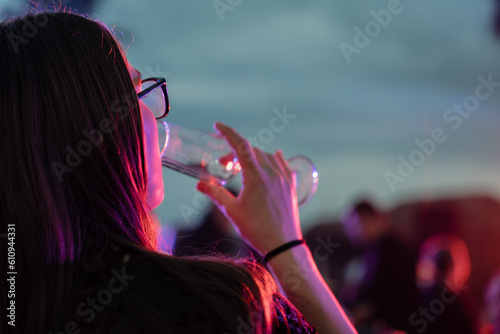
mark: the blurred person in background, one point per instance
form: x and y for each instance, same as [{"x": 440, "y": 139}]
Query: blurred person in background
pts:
[
  {"x": 214, "y": 235},
  {"x": 492, "y": 305},
  {"x": 442, "y": 272},
  {"x": 332, "y": 252},
  {"x": 382, "y": 292}
]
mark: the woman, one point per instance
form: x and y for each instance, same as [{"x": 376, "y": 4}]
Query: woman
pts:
[{"x": 80, "y": 175}]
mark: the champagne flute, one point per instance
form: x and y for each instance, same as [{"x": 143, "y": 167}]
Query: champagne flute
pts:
[{"x": 208, "y": 157}]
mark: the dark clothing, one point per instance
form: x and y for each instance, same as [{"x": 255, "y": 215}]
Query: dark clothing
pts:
[
  {"x": 445, "y": 312},
  {"x": 390, "y": 284}
]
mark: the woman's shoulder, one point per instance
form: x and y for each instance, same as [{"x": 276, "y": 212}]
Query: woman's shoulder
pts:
[
  {"x": 159, "y": 287},
  {"x": 163, "y": 300},
  {"x": 168, "y": 296}
]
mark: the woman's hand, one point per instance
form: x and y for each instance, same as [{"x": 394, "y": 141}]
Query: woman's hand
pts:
[{"x": 265, "y": 213}]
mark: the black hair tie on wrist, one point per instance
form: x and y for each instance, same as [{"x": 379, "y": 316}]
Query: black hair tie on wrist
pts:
[{"x": 282, "y": 249}]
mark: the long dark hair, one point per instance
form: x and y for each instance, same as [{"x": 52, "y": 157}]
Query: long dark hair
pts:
[{"x": 73, "y": 177}]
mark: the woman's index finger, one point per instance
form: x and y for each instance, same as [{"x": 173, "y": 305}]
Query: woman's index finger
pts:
[{"x": 240, "y": 145}]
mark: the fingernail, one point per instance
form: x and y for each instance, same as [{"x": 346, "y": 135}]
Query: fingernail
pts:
[
  {"x": 220, "y": 125},
  {"x": 201, "y": 186}
]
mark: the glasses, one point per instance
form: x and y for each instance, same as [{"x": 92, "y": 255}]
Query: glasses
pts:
[{"x": 155, "y": 97}]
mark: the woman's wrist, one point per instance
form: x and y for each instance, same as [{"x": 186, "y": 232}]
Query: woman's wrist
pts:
[
  {"x": 294, "y": 270},
  {"x": 281, "y": 249},
  {"x": 297, "y": 274},
  {"x": 292, "y": 257}
]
